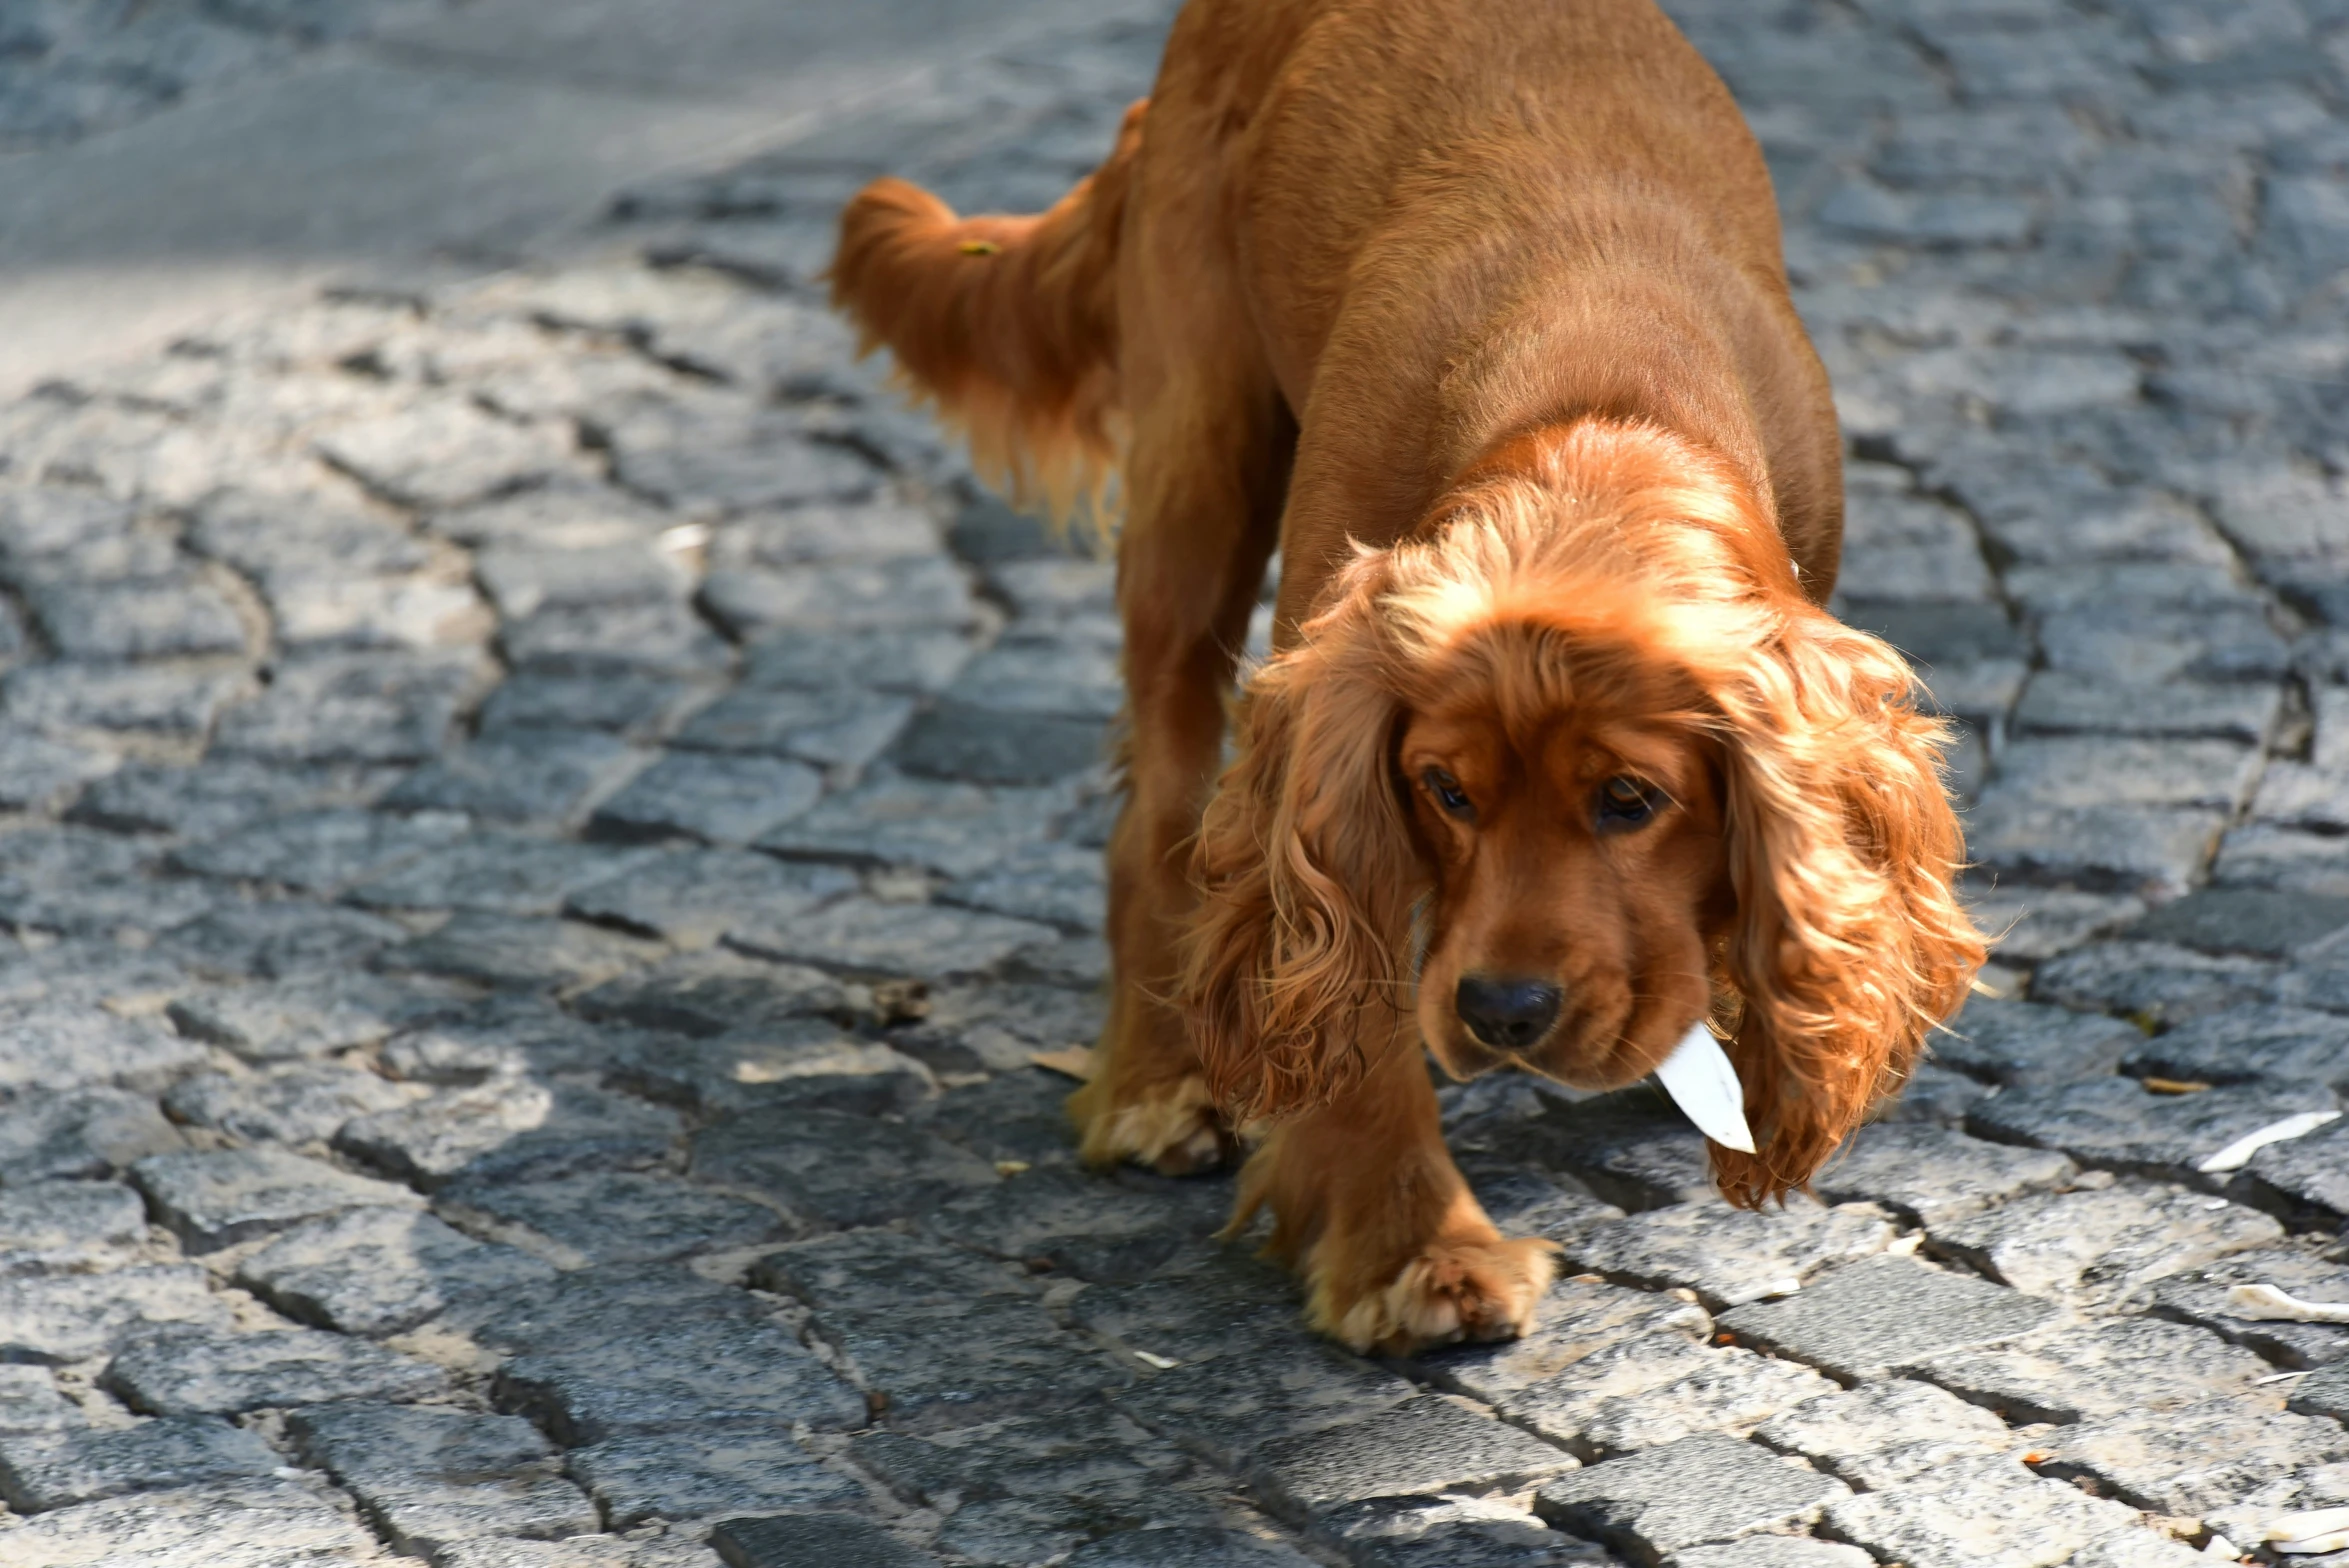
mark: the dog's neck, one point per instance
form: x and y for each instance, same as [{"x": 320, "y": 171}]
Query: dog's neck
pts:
[{"x": 1624, "y": 348}]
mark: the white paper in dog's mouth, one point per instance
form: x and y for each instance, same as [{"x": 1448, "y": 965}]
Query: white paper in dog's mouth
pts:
[{"x": 1704, "y": 1085}]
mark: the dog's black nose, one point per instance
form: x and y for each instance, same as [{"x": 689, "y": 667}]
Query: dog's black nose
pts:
[{"x": 1507, "y": 1014}]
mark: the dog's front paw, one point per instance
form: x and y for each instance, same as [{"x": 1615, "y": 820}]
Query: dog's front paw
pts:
[
  {"x": 1170, "y": 1127},
  {"x": 1453, "y": 1290}
]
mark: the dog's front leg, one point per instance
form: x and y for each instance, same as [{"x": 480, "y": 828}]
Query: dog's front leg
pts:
[{"x": 1367, "y": 1205}]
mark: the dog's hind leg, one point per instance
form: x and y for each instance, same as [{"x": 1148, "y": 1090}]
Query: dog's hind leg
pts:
[{"x": 1206, "y": 472}]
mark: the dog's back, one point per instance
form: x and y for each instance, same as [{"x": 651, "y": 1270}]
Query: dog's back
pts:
[
  {"x": 1555, "y": 203},
  {"x": 1425, "y": 206}
]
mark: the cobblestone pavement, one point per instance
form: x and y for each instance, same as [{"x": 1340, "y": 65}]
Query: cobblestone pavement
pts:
[
  {"x": 547, "y": 824},
  {"x": 70, "y": 67}
]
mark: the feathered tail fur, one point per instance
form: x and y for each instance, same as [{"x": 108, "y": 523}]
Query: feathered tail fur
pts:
[{"x": 1006, "y": 325}]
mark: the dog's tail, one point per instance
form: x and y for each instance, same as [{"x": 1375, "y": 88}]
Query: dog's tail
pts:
[{"x": 1008, "y": 326}]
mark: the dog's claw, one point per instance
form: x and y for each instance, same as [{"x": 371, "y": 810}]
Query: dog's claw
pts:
[
  {"x": 1173, "y": 1129},
  {"x": 1452, "y": 1291}
]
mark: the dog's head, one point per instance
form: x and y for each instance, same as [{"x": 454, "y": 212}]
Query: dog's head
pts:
[{"x": 1588, "y": 760}]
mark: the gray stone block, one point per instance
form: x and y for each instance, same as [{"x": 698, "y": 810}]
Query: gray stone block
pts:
[
  {"x": 64, "y": 1043},
  {"x": 687, "y": 1374},
  {"x": 836, "y": 1540},
  {"x": 136, "y": 698},
  {"x": 640, "y": 707},
  {"x": 497, "y": 873},
  {"x": 308, "y": 1016},
  {"x": 798, "y": 1061},
  {"x": 2258, "y": 854},
  {"x": 938, "y": 1367},
  {"x": 279, "y": 940},
  {"x": 2034, "y": 923},
  {"x": 2102, "y": 1242},
  {"x": 865, "y": 934},
  {"x": 610, "y": 1217},
  {"x": 2199, "y": 1296},
  {"x": 692, "y": 897},
  {"x": 60, "y": 1318},
  {"x": 1075, "y": 677},
  {"x": 1771, "y": 1551},
  {"x": 925, "y": 594},
  {"x": 911, "y": 661},
  {"x": 642, "y": 1476},
  {"x": 700, "y": 795},
  {"x": 511, "y": 1129},
  {"x": 538, "y": 776},
  {"x": 1633, "y": 1148},
  {"x": 370, "y": 707},
  {"x": 2324, "y": 1392},
  {"x": 1698, "y": 1490},
  {"x": 1883, "y": 1434},
  {"x": 217, "y": 1198},
  {"x": 297, "y": 1102},
  {"x": 428, "y": 1477},
  {"x": 80, "y": 1133},
  {"x": 1728, "y": 1255},
  {"x": 191, "y": 1372},
  {"x": 834, "y": 1168},
  {"x": 1878, "y": 1315},
  {"x": 717, "y": 993},
  {"x": 444, "y": 451},
  {"x": 2153, "y": 981},
  {"x": 520, "y": 578},
  {"x": 380, "y": 1271},
  {"x": 2102, "y": 1368},
  {"x": 1116, "y": 1231},
  {"x": 587, "y": 1309},
  {"x": 517, "y": 952},
  {"x": 1578, "y": 1318},
  {"x": 2031, "y": 1046},
  {"x": 252, "y": 1524},
  {"x": 2192, "y": 1461},
  {"x": 841, "y": 727},
  {"x": 42, "y": 1471},
  {"x": 660, "y": 638},
  {"x": 31, "y": 1402},
  {"x": 956, "y": 829},
  {"x": 1180, "y": 1546},
  {"x": 1983, "y": 1513},
  {"x": 1929, "y": 1175},
  {"x": 1452, "y": 1532},
  {"x": 2306, "y": 1180},
  {"x": 504, "y": 1037},
  {"x": 2128, "y": 849},
  {"x": 2073, "y": 772},
  {"x": 1425, "y": 1445},
  {"x": 170, "y": 619},
  {"x": 2245, "y": 920},
  {"x": 2117, "y": 1124},
  {"x": 1723, "y": 1391},
  {"x": 68, "y": 1227},
  {"x": 870, "y": 1270},
  {"x": 981, "y": 746},
  {"x": 2137, "y": 1549},
  {"x": 1059, "y": 884},
  {"x": 1224, "y": 1410},
  {"x": 2295, "y": 1044}
]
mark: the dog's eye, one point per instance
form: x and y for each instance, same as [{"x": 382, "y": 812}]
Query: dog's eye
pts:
[
  {"x": 1624, "y": 803},
  {"x": 1447, "y": 791}
]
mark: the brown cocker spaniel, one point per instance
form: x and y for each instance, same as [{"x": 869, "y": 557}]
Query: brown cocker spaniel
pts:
[{"x": 1476, "y": 311}]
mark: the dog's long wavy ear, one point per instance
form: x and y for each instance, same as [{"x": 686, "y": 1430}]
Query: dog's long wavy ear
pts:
[
  {"x": 1849, "y": 944},
  {"x": 1297, "y": 960}
]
